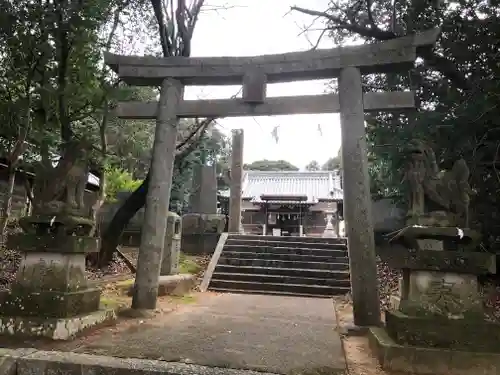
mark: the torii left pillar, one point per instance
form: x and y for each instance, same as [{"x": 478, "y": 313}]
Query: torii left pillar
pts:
[{"x": 236, "y": 182}]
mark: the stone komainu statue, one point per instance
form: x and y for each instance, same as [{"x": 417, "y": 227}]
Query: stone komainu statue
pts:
[
  {"x": 61, "y": 189},
  {"x": 448, "y": 190}
]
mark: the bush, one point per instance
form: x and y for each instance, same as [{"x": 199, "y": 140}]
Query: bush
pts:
[{"x": 118, "y": 180}]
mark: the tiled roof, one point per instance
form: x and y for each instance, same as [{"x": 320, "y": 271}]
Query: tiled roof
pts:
[{"x": 315, "y": 185}]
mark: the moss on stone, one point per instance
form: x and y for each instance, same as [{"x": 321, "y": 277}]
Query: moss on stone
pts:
[{"x": 49, "y": 304}]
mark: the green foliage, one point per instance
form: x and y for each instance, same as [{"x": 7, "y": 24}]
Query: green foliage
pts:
[
  {"x": 270, "y": 165},
  {"x": 456, "y": 90},
  {"x": 118, "y": 180},
  {"x": 313, "y": 166},
  {"x": 331, "y": 164}
]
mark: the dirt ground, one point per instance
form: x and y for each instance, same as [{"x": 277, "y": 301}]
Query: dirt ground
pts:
[{"x": 359, "y": 358}]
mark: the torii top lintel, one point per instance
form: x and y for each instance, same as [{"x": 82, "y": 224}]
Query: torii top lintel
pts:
[{"x": 392, "y": 55}]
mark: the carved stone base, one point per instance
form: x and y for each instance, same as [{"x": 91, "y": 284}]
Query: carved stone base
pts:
[
  {"x": 47, "y": 304},
  {"x": 201, "y": 232},
  {"x": 423, "y": 360},
  {"x": 51, "y": 280},
  {"x": 439, "y": 293},
  {"x": 472, "y": 334},
  {"x": 54, "y": 328}
]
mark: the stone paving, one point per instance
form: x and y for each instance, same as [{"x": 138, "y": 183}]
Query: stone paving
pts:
[{"x": 256, "y": 332}]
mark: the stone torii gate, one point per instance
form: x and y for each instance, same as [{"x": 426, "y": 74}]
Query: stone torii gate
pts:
[{"x": 346, "y": 63}]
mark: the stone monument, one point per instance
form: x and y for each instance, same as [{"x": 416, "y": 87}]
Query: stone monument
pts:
[
  {"x": 172, "y": 247},
  {"x": 202, "y": 227},
  {"x": 437, "y": 321},
  {"x": 51, "y": 296}
]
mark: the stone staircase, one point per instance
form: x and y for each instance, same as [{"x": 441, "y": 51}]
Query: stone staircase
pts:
[{"x": 295, "y": 266}]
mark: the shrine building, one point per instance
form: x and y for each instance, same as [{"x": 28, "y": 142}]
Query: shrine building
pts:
[{"x": 292, "y": 203}]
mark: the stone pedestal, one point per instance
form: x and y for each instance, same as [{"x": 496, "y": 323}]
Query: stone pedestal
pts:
[
  {"x": 51, "y": 296},
  {"x": 201, "y": 232},
  {"x": 439, "y": 306},
  {"x": 172, "y": 247}
]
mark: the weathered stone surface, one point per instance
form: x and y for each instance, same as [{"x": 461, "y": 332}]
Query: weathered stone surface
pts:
[
  {"x": 254, "y": 86},
  {"x": 46, "y": 304},
  {"x": 440, "y": 294},
  {"x": 195, "y": 223},
  {"x": 174, "y": 285},
  {"x": 8, "y": 365},
  {"x": 158, "y": 197},
  {"x": 55, "y": 244},
  {"x": 430, "y": 361},
  {"x": 172, "y": 246},
  {"x": 387, "y": 56},
  {"x": 285, "y": 335},
  {"x": 471, "y": 333},
  {"x": 453, "y": 261},
  {"x": 53, "y": 328},
  {"x": 53, "y": 224},
  {"x": 199, "y": 244},
  {"x": 357, "y": 201},
  {"x": 204, "y": 190},
  {"x": 462, "y": 238},
  {"x": 43, "y": 363},
  {"x": 51, "y": 272},
  {"x": 437, "y": 198},
  {"x": 234, "y": 225},
  {"x": 287, "y": 105}
]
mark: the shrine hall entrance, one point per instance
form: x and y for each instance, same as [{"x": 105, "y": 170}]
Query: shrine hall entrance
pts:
[{"x": 284, "y": 215}]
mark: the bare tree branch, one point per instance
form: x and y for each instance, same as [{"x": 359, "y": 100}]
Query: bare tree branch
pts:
[{"x": 431, "y": 58}]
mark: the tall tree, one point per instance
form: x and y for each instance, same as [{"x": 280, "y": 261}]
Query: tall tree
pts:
[
  {"x": 454, "y": 84},
  {"x": 313, "y": 166},
  {"x": 50, "y": 62},
  {"x": 176, "y": 22}
]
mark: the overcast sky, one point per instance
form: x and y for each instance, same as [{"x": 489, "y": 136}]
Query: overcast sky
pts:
[{"x": 255, "y": 27}]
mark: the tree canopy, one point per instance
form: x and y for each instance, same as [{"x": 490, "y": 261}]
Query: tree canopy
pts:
[
  {"x": 313, "y": 166},
  {"x": 270, "y": 165},
  {"x": 457, "y": 90}
]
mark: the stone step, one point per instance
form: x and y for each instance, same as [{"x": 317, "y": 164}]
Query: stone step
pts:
[
  {"x": 278, "y": 289},
  {"x": 285, "y": 250},
  {"x": 284, "y": 256},
  {"x": 282, "y": 279},
  {"x": 275, "y": 243},
  {"x": 283, "y": 264},
  {"x": 298, "y": 272},
  {"x": 268, "y": 292},
  {"x": 290, "y": 239}
]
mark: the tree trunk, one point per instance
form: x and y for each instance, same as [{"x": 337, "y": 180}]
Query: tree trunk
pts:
[
  {"x": 113, "y": 232},
  {"x": 7, "y": 203}
]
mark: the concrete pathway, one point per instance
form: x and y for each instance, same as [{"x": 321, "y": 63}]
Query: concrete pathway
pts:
[{"x": 266, "y": 333}]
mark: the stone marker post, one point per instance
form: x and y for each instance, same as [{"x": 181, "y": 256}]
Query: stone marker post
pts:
[
  {"x": 172, "y": 246},
  {"x": 357, "y": 201},
  {"x": 157, "y": 201},
  {"x": 236, "y": 182},
  {"x": 204, "y": 195}
]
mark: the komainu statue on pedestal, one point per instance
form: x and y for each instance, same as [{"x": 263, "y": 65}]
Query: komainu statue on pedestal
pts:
[
  {"x": 58, "y": 196},
  {"x": 437, "y": 198}
]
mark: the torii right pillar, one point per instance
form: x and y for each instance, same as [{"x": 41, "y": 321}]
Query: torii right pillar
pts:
[{"x": 357, "y": 201}]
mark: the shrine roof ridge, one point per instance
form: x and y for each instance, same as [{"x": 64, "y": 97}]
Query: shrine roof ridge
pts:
[{"x": 316, "y": 185}]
